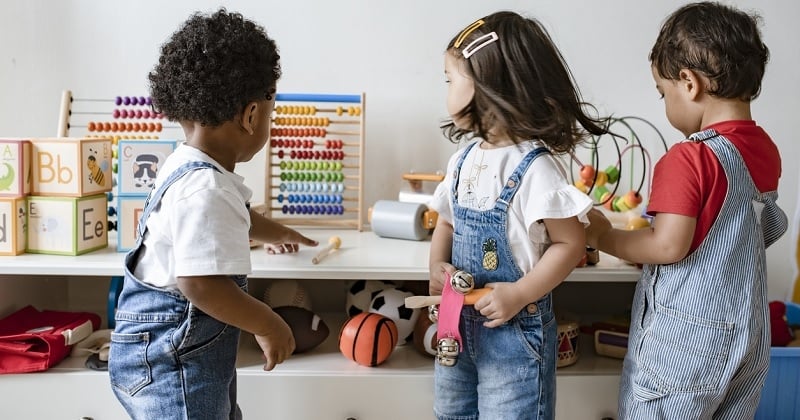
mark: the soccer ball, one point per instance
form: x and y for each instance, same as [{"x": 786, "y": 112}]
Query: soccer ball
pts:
[
  {"x": 361, "y": 293},
  {"x": 391, "y": 304}
]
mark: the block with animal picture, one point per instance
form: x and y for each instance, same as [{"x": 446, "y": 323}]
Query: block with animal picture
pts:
[
  {"x": 138, "y": 162},
  {"x": 67, "y": 225},
  {"x": 13, "y": 225},
  {"x": 15, "y": 167},
  {"x": 71, "y": 167}
]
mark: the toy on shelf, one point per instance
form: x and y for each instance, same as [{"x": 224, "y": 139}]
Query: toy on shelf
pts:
[
  {"x": 603, "y": 185},
  {"x": 409, "y": 217},
  {"x": 333, "y": 244},
  {"x": 315, "y": 159},
  {"x": 567, "y": 343},
  {"x": 368, "y": 338}
]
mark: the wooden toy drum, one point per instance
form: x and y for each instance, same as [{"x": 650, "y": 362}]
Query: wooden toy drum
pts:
[{"x": 567, "y": 343}]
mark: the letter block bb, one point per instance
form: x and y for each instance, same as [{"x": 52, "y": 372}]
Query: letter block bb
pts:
[{"x": 71, "y": 167}]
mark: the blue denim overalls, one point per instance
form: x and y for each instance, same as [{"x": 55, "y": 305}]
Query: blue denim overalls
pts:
[
  {"x": 699, "y": 338},
  {"x": 507, "y": 372},
  {"x": 169, "y": 360}
]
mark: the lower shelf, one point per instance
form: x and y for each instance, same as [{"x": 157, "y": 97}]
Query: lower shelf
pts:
[{"x": 319, "y": 384}]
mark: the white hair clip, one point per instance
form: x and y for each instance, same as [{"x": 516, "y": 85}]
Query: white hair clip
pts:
[{"x": 479, "y": 43}]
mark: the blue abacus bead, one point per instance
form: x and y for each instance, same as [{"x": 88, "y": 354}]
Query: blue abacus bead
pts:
[
  {"x": 282, "y": 187},
  {"x": 280, "y": 198},
  {"x": 110, "y": 196},
  {"x": 339, "y": 199},
  {"x": 112, "y": 211},
  {"x": 285, "y": 209}
]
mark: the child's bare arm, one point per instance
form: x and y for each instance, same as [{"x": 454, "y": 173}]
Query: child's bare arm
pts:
[
  {"x": 274, "y": 233},
  {"x": 222, "y": 299},
  {"x": 668, "y": 240},
  {"x": 440, "y": 256}
]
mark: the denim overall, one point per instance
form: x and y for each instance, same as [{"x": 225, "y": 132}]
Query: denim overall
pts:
[
  {"x": 507, "y": 372},
  {"x": 699, "y": 337},
  {"x": 168, "y": 359}
]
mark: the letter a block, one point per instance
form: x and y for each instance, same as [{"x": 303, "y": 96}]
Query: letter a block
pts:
[
  {"x": 15, "y": 167},
  {"x": 69, "y": 167},
  {"x": 13, "y": 225},
  {"x": 67, "y": 225}
]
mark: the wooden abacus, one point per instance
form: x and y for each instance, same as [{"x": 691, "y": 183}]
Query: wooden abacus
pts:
[
  {"x": 315, "y": 161},
  {"x": 130, "y": 117}
]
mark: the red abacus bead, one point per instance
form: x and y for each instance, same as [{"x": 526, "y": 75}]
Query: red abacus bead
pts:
[
  {"x": 293, "y": 154},
  {"x": 116, "y": 113},
  {"x": 280, "y": 154},
  {"x": 138, "y": 113},
  {"x": 339, "y": 144},
  {"x": 91, "y": 126}
]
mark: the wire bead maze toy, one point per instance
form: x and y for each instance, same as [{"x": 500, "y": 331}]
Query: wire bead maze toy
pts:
[
  {"x": 315, "y": 161},
  {"x": 118, "y": 118},
  {"x": 603, "y": 185}
]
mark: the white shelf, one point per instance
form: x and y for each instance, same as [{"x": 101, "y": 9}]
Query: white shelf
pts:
[{"x": 363, "y": 255}]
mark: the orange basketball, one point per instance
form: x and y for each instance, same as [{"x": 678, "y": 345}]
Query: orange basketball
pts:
[{"x": 368, "y": 338}]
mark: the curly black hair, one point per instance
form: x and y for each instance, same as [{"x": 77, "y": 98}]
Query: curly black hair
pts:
[{"x": 212, "y": 67}]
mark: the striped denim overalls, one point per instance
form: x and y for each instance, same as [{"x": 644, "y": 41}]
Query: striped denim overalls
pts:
[
  {"x": 507, "y": 372},
  {"x": 699, "y": 338},
  {"x": 168, "y": 359}
]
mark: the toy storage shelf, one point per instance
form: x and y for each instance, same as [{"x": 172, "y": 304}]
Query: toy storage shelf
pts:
[{"x": 319, "y": 384}]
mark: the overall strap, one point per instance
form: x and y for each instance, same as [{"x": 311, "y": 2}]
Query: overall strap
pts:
[
  {"x": 457, "y": 171},
  {"x": 513, "y": 182},
  {"x": 154, "y": 198}
]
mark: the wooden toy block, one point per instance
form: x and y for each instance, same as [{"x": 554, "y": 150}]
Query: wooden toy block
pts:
[
  {"x": 15, "y": 167},
  {"x": 130, "y": 210},
  {"x": 71, "y": 167},
  {"x": 67, "y": 225},
  {"x": 138, "y": 163},
  {"x": 13, "y": 225}
]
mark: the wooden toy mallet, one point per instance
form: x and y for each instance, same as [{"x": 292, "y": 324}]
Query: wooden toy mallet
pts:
[
  {"x": 423, "y": 301},
  {"x": 333, "y": 244}
]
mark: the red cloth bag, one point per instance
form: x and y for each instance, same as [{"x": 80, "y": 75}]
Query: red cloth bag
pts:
[{"x": 33, "y": 340}]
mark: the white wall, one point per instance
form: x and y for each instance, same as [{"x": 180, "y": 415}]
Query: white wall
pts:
[{"x": 390, "y": 50}]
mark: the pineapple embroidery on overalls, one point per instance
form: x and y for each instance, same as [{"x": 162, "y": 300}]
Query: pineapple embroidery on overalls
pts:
[{"x": 490, "y": 254}]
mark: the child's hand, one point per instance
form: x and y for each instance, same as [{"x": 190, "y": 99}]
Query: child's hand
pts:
[
  {"x": 501, "y": 304},
  {"x": 437, "y": 273},
  {"x": 278, "y": 344},
  {"x": 290, "y": 242},
  {"x": 599, "y": 225}
]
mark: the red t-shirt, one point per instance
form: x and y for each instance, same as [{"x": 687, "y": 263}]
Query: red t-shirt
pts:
[{"x": 689, "y": 180}]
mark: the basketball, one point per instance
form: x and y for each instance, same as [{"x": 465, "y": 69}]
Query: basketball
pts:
[{"x": 368, "y": 338}]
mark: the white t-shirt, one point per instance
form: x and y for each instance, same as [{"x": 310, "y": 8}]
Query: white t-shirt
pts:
[
  {"x": 202, "y": 226},
  {"x": 544, "y": 193}
]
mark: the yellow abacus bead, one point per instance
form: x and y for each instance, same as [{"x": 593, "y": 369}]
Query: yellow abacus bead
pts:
[
  {"x": 620, "y": 205},
  {"x": 602, "y": 179},
  {"x": 339, "y": 110}
]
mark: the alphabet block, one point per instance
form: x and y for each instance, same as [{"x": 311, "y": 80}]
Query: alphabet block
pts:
[
  {"x": 71, "y": 167},
  {"x": 13, "y": 225},
  {"x": 15, "y": 167},
  {"x": 130, "y": 210},
  {"x": 67, "y": 225},
  {"x": 138, "y": 164}
]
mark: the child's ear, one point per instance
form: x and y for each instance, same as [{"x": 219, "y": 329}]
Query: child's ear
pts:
[
  {"x": 691, "y": 83},
  {"x": 249, "y": 117}
]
